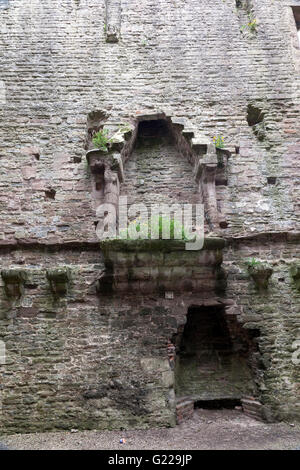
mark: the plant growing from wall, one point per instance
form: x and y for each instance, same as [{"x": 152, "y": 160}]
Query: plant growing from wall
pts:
[
  {"x": 251, "y": 26},
  {"x": 253, "y": 262},
  {"x": 219, "y": 141},
  {"x": 176, "y": 228},
  {"x": 101, "y": 140}
]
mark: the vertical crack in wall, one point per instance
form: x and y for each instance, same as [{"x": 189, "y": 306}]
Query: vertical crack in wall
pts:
[{"x": 113, "y": 20}]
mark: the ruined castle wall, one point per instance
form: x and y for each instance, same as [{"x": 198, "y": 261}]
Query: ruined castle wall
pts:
[
  {"x": 275, "y": 313},
  {"x": 191, "y": 60},
  {"x": 99, "y": 361}
]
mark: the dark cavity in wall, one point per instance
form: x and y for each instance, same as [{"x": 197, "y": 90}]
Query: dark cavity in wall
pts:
[
  {"x": 217, "y": 404},
  {"x": 256, "y": 120},
  {"x": 296, "y": 11},
  {"x": 212, "y": 357},
  {"x": 254, "y": 115},
  {"x": 50, "y": 193},
  {"x": 153, "y": 132}
]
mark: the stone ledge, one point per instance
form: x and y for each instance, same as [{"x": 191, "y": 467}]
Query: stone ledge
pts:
[
  {"x": 164, "y": 246},
  {"x": 32, "y": 243},
  {"x": 14, "y": 281}
]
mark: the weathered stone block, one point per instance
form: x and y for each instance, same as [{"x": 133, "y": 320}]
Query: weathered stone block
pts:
[
  {"x": 295, "y": 273},
  {"x": 59, "y": 279},
  {"x": 260, "y": 274},
  {"x": 14, "y": 281}
]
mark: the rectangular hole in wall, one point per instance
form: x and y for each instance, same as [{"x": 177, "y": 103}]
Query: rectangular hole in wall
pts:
[{"x": 271, "y": 180}]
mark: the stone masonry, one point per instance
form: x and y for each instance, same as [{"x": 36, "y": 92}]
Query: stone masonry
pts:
[{"x": 111, "y": 334}]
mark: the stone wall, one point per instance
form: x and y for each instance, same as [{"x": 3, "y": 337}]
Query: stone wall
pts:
[
  {"x": 211, "y": 360},
  {"x": 86, "y": 360},
  {"x": 191, "y": 60},
  {"x": 156, "y": 172},
  {"x": 275, "y": 313}
]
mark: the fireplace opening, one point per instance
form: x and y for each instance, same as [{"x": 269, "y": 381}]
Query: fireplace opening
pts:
[
  {"x": 213, "y": 360},
  {"x": 229, "y": 404}
]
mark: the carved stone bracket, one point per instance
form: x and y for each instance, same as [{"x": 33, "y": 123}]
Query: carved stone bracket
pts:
[
  {"x": 59, "y": 279},
  {"x": 113, "y": 20},
  {"x": 206, "y": 171},
  {"x": 107, "y": 169},
  {"x": 295, "y": 273},
  {"x": 260, "y": 274},
  {"x": 14, "y": 282},
  {"x": 205, "y": 174},
  {"x": 107, "y": 173},
  {"x": 99, "y": 162}
]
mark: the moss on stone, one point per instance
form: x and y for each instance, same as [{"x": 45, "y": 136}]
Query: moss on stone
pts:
[
  {"x": 59, "y": 274},
  {"x": 13, "y": 275},
  {"x": 165, "y": 246},
  {"x": 260, "y": 274},
  {"x": 295, "y": 273}
]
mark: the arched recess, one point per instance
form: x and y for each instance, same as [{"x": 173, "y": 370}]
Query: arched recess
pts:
[
  {"x": 157, "y": 160},
  {"x": 157, "y": 172}
]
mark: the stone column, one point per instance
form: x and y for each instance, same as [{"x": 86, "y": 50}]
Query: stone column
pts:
[
  {"x": 111, "y": 187},
  {"x": 206, "y": 175},
  {"x": 111, "y": 192}
]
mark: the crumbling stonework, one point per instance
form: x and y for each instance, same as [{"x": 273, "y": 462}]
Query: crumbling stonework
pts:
[{"x": 87, "y": 329}]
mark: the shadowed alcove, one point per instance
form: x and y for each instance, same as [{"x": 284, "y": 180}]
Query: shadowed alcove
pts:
[
  {"x": 156, "y": 171},
  {"x": 211, "y": 365}
]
